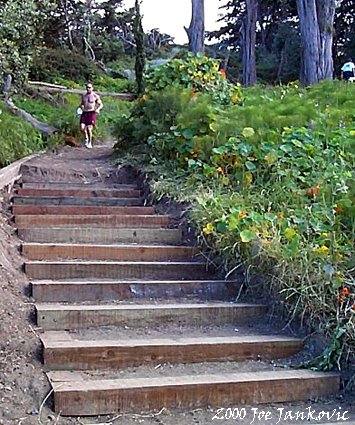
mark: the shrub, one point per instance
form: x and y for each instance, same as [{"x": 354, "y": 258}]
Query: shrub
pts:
[{"x": 50, "y": 64}]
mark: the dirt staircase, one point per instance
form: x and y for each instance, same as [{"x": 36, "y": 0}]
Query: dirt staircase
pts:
[{"x": 132, "y": 319}]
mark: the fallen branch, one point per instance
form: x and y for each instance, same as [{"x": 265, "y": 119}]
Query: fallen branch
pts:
[
  {"x": 39, "y": 83},
  {"x": 45, "y": 129},
  {"x": 45, "y": 87}
]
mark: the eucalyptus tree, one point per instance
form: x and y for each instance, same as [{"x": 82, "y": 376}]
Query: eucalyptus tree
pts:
[
  {"x": 196, "y": 30},
  {"x": 316, "y": 19},
  {"x": 252, "y": 27}
]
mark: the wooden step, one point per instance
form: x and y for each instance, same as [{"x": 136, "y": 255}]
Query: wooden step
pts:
[
  {"x": 64, "y": 316},
  {"x": 52, "y": 200},
  {"x": 54, "y": 270},
  {"x": 121, "y": 221},
  {"x": 100, "y": 235},
  {"x": 79, "y": 210},
  {"x": 80, "y": 192},
  {"x": 83, "y": 185},
  {"x": 73, "y": 354},
  {"x": 106, "y": 396},
  {"x": 110, "y": 290},
  {"x": 35, "y": 251}
]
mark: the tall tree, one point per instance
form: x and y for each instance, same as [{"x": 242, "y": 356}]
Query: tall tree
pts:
[
  {"x": 248, "y": 42},
  {"x": 316, "y": 27},
  {"x": 139, "y": 39},
  {"x": 196, "y": 30}
]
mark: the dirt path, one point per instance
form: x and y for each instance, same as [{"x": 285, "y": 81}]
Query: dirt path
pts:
[{"x": 23, "y": 383}]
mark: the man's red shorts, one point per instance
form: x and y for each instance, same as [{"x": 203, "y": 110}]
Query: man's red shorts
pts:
[{"x": 88, "y": 118}]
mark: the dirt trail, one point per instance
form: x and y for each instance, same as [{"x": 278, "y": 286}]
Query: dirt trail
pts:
[{"x": 23, "y": 383}]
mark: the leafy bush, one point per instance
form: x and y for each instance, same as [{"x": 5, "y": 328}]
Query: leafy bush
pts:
[
  {"x": 51, "y": 64},
  {"x": 197, "y": 72}
]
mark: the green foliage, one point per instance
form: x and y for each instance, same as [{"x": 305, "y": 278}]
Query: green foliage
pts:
[
  {"x": 197, "y": 72},
  {"x": 272, "y": 187},
  {"x": 17, "y": 137},
  {"x": 49, "y": 64},
  {"x": 115, "y": 85},
  {"x": 20, "y": 29}
]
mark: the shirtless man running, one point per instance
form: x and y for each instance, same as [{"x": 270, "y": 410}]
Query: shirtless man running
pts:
[{"x": 91, "y": 104}]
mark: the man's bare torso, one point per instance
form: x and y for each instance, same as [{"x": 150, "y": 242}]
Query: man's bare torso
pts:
[{"x": 89, "y": 101}]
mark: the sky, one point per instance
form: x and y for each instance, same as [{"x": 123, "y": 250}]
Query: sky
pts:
[{"x": 170, "y": 16}]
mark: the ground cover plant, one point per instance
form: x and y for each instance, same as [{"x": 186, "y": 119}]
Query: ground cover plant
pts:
[
  {"x": 17, "y": 137},
  {"x": 270, "y": 179}
]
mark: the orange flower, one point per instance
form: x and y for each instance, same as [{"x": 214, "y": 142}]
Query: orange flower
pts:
[
  {"x": 280, "y": 215},
  {"x": 223, "y": 73},
  {"x": 220, "y": 170},
  {"x": 243, "y": 214},
  {"x": 344, "y": 292},
  {"x": 338, "y": 209},
  {"x": 313, "y": 191}
]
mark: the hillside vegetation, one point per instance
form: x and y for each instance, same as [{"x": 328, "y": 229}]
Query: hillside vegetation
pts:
[{"x": 269, "y": 174}]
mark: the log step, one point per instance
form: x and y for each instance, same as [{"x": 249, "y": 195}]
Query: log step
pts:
[
  {"x": 65, "y": 185},
  {"x": 35, "y": 251},
  {"x": 81, "y": 192},
  {"x": 79, "y": 210},
  {"x": 52, "y": 200},
  {"x": 70, "y": 354},
  {"x": 54, "y": 270},
  {"x": 122, "y": 221},
  {"x": 64, "y": 316},
  {"x": 100, "y": 235},
  {"x": 74, "y": 291},
  {"x": 108, "y": 396}
]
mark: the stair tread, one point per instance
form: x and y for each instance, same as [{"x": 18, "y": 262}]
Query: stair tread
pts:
[
  {"x": 131, "y": 282},
  {"x": 113, "y": 245},
  {"x": 145, "y": 306},
  {"x": 126, "y": 263},
  {"x": 185, "y": 380},
  {"x": 53, "y": 341}
]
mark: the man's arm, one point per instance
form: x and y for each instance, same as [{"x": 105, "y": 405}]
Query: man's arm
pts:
[{"x": 99, "y": 104}]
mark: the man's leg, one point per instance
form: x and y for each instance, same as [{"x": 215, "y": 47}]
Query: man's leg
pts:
[
  {"x": 83, "y": 131},
  {"x": 89, "y": 130}
]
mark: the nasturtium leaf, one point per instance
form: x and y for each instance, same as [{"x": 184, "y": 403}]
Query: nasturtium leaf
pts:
[
  {"x": 248, "y": 132},
  {"x": 290, "y": 233},
  {"x": 247, "y": 236}
]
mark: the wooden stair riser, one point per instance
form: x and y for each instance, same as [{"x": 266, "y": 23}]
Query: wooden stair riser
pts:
[
  {"x": 85, "y": 355},
  {"x": 114, "y": 270},
  {"x": 80, "y": 193},
  {"x": 112, "y": 396},
  {"x": 34, "y": 200},
  {"x": 118, "y": 221},
  {"x": 101, "y": 235},
  {"x": 64, "y": 185},
  {"x": 53, "y": 318},
  {"x": 108, "y": 252},
  {"x": 18, "y": 210},
  {"x": 60, "y": 291}
]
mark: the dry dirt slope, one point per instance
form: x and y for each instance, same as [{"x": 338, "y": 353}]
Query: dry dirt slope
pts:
[{"x": 23, "y": 384}]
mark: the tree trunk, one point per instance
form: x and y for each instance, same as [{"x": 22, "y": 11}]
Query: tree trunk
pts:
[
  {"x": 196, "y": 30},
  {"x": 248, "y": 41},
  {"x": 326, "y": 14},
  {"x": 316, "y": 26}
]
